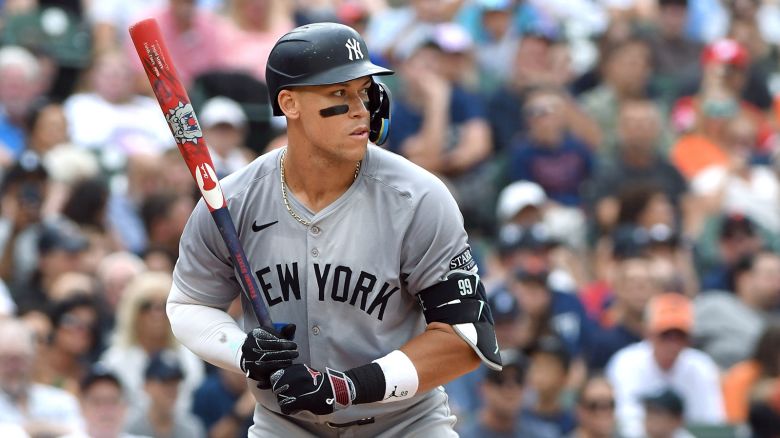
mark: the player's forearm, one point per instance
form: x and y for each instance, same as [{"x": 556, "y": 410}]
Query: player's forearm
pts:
[
  {"x": 439, "y": 355},
  {"x": 208, "y": 332}
]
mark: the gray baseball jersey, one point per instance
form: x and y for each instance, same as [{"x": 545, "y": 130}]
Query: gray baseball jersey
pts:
[{"x": 349, "y": 280}]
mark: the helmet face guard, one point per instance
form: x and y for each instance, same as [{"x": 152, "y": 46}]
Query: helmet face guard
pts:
[{"x": 326, "y": 54}]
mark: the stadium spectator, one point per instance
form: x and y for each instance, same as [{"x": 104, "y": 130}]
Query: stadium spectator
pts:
[
  {"x": 501, "y": 415},
  {"x": 21, "y": 84},
  {"x": 665, "y": 359},
  {"x": 41, "y": 410},
  {"x": 109, "y": 118},
  {"x": 162, "y": 377},
  {"x": 625, "y": 74},
  {"x": 729, "y": 323},
  {"x": 754, "y": 381},
  {"x": 103, "y": 404},
  {"x": 252, "y": 28},
  {"x": 142, "y": 331},
  {"x": 224, "y": 124},
  {"x": 64, "y": 360},
  {"x": 595, "y": 409},
  {"x": 547, "y": 378},
  {"x": 440, "y": 125},
  {"x": 664, "y": 415},
  {"x": 224, "y": 404},
  {"x": 550, "y": 155}
]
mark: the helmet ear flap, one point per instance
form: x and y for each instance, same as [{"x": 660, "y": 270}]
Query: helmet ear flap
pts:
[{"x": 379, "y": 108}]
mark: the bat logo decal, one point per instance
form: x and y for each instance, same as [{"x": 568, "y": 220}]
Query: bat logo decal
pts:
[
  {"x": 183, "y": 123},
  {"x": 207, "y": 182}
]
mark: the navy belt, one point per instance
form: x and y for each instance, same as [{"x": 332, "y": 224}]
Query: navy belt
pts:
[{"x": 361, "y": 422}]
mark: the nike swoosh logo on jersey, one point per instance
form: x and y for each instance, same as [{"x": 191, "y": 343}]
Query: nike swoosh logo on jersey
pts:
[{"x": 257, "y": 228}]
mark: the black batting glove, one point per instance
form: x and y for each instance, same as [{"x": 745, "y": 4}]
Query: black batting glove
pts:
[
  {"x": 266, "y": 351},
  {"x": 301, "y": 388}
]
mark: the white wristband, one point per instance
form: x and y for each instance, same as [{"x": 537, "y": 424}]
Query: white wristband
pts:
[{"x": 401, "y": 378}]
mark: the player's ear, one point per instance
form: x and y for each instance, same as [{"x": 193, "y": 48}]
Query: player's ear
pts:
[{"x": 289, "y": 104}]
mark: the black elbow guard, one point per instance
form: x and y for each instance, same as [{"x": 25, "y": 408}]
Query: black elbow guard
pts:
[{"x": 460, "y": 300}]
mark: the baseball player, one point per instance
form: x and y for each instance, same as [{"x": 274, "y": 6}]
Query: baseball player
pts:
[{"x": 360, "y": 256}]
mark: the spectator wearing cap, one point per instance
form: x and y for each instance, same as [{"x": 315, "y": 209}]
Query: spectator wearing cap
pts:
[
  {"x": 502, "y": 394},
  {"x": 60, "y": 249},
  {"x": 440, "y": 125},
  {"x": 526, "y": 204},
  {"x": 534, "y": 247},
  {"x": 664, "y": 359},
  {"x": 104, "y": 405},
  {"x": 224, "y": 123},
  {"x": 551, "y": 312},
  {"x": 513, "y": 332},
  {"x": 595, "y": 409},
  {"x": 701, "y": 118},
  {"x": 724, "y": 241},
  {"x": 161, "y": 419},
  {"x": 41, "y": 410},
  {"x": 729, "y": 323},
  {"x": 547, "y": 378},
  {"x": 664, "y": 414},
  {"x": 142, "y": 331},
  {"x": 550, "y": 155}
]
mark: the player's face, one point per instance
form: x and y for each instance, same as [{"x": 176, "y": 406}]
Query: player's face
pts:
[{"x": 335, "y": 117}]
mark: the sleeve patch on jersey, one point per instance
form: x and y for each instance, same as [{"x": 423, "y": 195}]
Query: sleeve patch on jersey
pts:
[{"x": 464, "y": 260}]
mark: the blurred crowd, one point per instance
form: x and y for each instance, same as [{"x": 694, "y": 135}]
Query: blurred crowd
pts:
[{"x": 617, "y": 165}]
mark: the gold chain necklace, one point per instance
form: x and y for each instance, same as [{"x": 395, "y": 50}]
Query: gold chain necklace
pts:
[{"x": 284, "y": 189}]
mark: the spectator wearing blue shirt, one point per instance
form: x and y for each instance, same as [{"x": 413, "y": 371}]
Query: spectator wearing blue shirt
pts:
[
  {"x": 547, "y": 376},
  {"x": 20, "y": 87},
  {"x": 502, "y": 416},
  {"x": 440, "y": 125},
  {"x": 551, "y": 312},
  {"x": 549, "y": 155},
  {"x": 224, "y": 404}
]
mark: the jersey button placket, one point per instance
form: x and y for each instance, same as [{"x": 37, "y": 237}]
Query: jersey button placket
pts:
[
  {"x": 315, "y": 230},
  {"x": 315, "y": 330}
]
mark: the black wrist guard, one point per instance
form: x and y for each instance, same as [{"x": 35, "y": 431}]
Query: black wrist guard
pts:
[{"x": 369, "y": 381}]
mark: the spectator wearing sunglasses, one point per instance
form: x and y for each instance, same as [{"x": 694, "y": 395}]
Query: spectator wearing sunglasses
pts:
[
  {"x": 502, "y": 394},
  {"x": 665, "y": 359},
  {"x": 550, "y": 155},
  {"x": 66, "y": 356},
  {"x": 595, "y": 409}
]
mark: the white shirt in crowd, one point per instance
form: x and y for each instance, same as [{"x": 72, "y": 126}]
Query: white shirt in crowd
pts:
[
  {"x": 45, "y": 404},
  {"x": 634, "y": 374}
]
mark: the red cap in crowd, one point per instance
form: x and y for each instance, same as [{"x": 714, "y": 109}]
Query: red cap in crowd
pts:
[{"x": 726, "y": 51}]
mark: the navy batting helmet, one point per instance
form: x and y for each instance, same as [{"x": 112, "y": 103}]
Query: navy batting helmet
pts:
[{"x": 324, "y": 54}]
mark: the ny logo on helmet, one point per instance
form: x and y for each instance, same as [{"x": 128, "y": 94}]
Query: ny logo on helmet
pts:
[{"x": 353, "y": 47}]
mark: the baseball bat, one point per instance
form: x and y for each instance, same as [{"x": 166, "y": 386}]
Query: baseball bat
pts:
[{"x": 177, "y": 109}]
